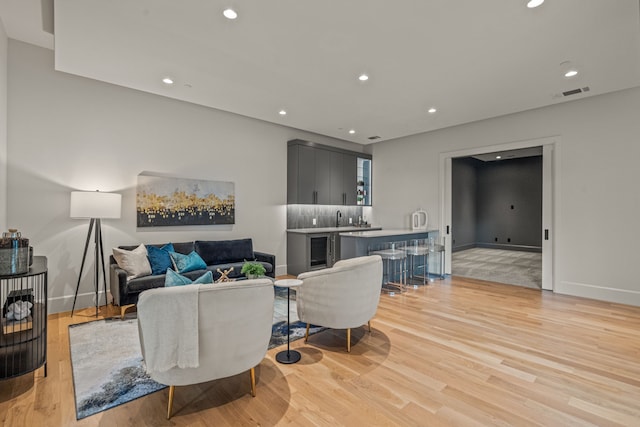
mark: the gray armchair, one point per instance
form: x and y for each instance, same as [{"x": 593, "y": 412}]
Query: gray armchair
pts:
[
  {"x": 342, "y": 297},
  {"x": 233, "y": 323}
]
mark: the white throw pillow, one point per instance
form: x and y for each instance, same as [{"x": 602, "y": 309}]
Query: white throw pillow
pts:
[{"x": 134, "y": 262}]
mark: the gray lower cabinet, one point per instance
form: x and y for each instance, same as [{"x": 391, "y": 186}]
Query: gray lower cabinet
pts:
[{"x": 306, "y": 252}]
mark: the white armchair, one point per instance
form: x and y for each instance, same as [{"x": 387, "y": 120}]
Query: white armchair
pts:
[
  {"x": 342, "y": 297},
  {"x": 232, "y": 326}
]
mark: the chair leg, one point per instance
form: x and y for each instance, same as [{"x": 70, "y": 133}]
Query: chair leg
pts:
[
  {"x": 123, "y": 309},
  {"x": 348, "y": 340},
  {"x": 252, "y": 372},
  {"x": 306, "y": 334},
  {"x": 369, "y": 323},
  {"x": 172, "y": 388}
]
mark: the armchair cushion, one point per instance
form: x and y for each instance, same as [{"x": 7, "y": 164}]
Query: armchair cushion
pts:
[
  {"x": 234, "y": 328},
  {"x": 341, "y": 297}
]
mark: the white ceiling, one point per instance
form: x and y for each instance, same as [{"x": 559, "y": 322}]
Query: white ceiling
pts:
[{"x": 470, "y": 59}]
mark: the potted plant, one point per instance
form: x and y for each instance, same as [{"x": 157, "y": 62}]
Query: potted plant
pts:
[{"x": 253, "y": 270}]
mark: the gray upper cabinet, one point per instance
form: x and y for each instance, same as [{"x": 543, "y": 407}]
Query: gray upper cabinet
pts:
[
  {"x": 349, "y": 178},
  {"x": 322, "y": 175}
]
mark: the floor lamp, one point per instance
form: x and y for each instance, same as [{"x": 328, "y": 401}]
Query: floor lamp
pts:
[{"x": 95, "y": 206}]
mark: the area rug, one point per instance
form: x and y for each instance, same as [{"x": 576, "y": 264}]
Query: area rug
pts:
[{"x": 106, "y": 359}]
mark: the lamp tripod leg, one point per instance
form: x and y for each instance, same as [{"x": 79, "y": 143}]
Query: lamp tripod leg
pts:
[
  {"x": 104, "y": 272},
  {"x": 96, "y": 250},
  {"x": 84, "y": 257}
]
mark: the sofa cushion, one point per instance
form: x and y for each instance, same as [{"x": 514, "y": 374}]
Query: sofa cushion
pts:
[
  {"x": 140, "y": 284},
  {"x": 159, "y": 258},
  {"x": 134, "y": 262},
  {"x": 175, "y": 279},
  {"x": 224, "y": 251},
  {"x": 184, "y": 263}
]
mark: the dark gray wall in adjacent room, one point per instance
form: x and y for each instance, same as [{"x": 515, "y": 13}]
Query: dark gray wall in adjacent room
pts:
[
  {"x": 463, "y": 200},
  {"x": 482, "y": 199},
  {"x": 509, "y": 202}
]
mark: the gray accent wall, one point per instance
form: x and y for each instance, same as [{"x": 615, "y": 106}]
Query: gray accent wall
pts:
[
  {"x": 509, "y": 203},
  {"x": 497, "y": 204},
  {"x": 463, "y": 200}
]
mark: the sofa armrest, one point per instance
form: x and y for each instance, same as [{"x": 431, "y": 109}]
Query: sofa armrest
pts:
[
  {"x": 117, "y": 283},
  {"x": 265, "y": 257}
]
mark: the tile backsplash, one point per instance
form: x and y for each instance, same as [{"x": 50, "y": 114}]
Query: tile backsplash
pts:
[{"x": 301, "y": 216}]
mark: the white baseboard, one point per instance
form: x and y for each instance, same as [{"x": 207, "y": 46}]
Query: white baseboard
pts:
[
  {"x": 281, "y": 270},
  {"x": 65, "y": 303},
  {"x": 603, "y": 293}
]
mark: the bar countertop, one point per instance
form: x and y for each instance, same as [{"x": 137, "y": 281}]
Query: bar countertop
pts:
[
  {"x": 384, "y": 233},
  {"x": 342, "y": 229}
]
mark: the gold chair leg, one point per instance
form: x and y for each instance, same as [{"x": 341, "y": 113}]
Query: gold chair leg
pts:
[
  {"x": 123, "y": 309},
  {"x": 306, "y": 334},
  {"x": 252, "y": 372},
  {"x": 172, "y": 388},
  {"x": 369, "y": 323},
  {"x": 348, "y": 340}
]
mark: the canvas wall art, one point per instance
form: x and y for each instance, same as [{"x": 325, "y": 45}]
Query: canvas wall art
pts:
[{"x": 163, "y": 201}]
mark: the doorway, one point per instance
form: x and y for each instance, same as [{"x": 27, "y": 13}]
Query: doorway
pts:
[
  {"x": 544, "y": 229},
  {"x": 496, "y": 217}
]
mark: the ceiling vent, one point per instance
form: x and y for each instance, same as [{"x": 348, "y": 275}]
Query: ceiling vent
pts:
[
  {"x": 576, "y": 91},
  {"x": 374, "y": 137}
]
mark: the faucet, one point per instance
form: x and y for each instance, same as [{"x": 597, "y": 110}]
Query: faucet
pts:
[{"x": 338, "y": 216}]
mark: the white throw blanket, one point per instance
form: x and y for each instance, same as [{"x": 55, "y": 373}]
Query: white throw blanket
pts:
[{"x": 173, "y": 341}]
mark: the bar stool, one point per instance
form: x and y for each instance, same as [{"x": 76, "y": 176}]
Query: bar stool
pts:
[
  {"x": 394, "y": 265},
  {"x": 436, "y": 248},
  {"x": 417, "y": 261}
]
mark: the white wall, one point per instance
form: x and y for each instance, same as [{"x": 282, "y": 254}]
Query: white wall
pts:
[
  {"x": 70, "y": 133},
  {"x": 596, "y": 217},
  {"x": 3, "y": 127}
]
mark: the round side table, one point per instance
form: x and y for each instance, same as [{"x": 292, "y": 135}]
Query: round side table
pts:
[{"x": 288, "y": 356}]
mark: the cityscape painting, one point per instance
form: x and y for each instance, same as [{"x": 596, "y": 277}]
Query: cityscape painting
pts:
[{"x": 163, "y": 201}]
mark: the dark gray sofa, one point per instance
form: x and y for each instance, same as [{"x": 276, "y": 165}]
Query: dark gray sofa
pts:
[{"x": 217, "y": 254}]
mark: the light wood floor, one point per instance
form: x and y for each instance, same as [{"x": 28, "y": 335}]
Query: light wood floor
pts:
[{"x": 457, "y": 352}]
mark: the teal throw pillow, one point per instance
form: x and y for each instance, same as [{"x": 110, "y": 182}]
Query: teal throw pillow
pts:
[
  {"x": 185, "y": 263},
  {"x": 159, "y": 258},
  {"x": 174, "y": 279}
]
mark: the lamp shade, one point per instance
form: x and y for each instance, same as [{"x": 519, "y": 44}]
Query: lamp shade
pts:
[{"x": 94, "y": 204}]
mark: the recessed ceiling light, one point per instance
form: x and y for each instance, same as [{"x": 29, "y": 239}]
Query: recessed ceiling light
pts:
[
  {"x": 230, "y": 13},
  {"x": 498, "y": 157},
  {"x": 571, "y": 73},
  {"x": 363, "y": 77},
  {"x": 282, "y": 112},
  {"x": 352, "y": 131},
  {"x": 534, "y": 3},
  {"x": 432, "y": 110},
  {"x": 167, "y": 80}
]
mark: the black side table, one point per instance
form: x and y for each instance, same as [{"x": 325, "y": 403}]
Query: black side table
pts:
[
  {"x": 288, "y": 356},
  {"x": 23, "y": 344}
]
